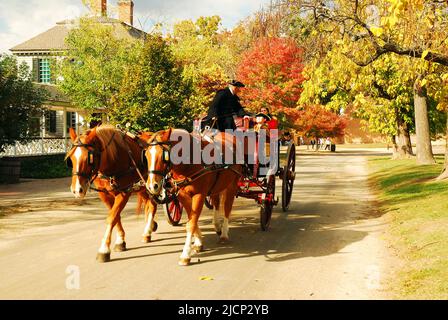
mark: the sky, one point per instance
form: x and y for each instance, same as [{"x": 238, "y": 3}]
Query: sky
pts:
[{"x": 21, "y": 20}]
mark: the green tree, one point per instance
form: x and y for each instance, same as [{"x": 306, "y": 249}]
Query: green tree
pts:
[
  {"x": 95, "y": 64},
  {"x": 19, "y": 100},
  {"x": 133, "y": 80},
  {"x": 153, "y": 94},
  {"x": 207, "y": 58}
]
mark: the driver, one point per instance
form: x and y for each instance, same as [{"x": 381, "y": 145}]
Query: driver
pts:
[{"x": 226, "y": 104}]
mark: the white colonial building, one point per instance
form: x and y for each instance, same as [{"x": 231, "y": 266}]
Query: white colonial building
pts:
[{"x": 51, "y": 130}]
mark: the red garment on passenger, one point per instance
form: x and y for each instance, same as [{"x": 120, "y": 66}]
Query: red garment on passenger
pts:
[{"x": 272, "y": 124}]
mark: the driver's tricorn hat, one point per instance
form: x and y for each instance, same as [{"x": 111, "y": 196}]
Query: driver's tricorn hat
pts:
[{"x": 237, "y": 84}]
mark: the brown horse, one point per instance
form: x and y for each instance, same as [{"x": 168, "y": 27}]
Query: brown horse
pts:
[
  {"x": 193, "y": 182},
  {"x": 112, "y": 160}
]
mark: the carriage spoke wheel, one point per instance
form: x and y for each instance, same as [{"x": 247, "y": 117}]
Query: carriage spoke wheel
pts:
[
  {"x": 288, "y": 177},
  {"x": 173, "y": 211},
  {"x": 267, "y": 204}
]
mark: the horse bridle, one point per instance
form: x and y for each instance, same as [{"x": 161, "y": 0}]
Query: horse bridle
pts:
[
  {"x": 92, "y": 155},
  {"x": 165, "y": 174}
]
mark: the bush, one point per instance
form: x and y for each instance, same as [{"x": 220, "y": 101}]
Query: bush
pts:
[
  {"x": 44, "y": 167},
  {"x": 19, "y": 100}
]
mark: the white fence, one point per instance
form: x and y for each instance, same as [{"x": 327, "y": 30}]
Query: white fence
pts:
[{"x": 38, "y": 146}]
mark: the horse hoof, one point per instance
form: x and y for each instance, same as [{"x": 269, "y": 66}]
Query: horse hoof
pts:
[
  {"x": 103, "y": 257},
  {"x": 198, "y": 249},
  {"x": 184, "y": 262},
  {"x": 146, "y": 239},
  {"x": 154, "y": 226},
  {"x": 223, "y": 240},
  {"x": 120, "y": 247}
]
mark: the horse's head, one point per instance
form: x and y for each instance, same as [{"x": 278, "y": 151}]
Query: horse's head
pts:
[
  {"x": 84, "y": 159},
  {"x": 158, "y": 159}
]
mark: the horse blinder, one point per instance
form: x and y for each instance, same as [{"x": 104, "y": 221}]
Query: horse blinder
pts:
[
  {"x": 166, "y": 156},
  {"x": 91, "y": 158},
  {"x": 143, "y": 159}
]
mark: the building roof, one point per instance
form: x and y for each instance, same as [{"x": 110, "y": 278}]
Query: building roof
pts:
[
  {"x": 53, "y": 94},
  {"x": 54, "y": 38}
]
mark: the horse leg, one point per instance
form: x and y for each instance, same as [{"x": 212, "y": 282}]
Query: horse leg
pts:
[
  {"x": 216, "y": 222},
  {"x": 151, "y": 224},
  {"x": 193, "y": 205},
  {"x": 112, "y": 219},
  {"x": 107, "y": 198},
  {"x": 228, "y": 197},
  {"x": 120, "y": 244},
  {"x": 198, "y": 245}
]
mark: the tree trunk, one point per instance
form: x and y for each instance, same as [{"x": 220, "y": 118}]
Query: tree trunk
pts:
[
  {"x": 444, "y": 174},
  {"x": 424, "y": 148},
  {"x": 402, "y": 141}
]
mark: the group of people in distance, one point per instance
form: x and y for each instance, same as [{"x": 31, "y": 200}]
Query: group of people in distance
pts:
[{"x": 320, "y": 142}]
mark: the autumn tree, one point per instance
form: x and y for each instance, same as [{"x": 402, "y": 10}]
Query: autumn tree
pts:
[
  {"x": 272, "y": 71},
  {"x": 317, "y": 122},
  {"x": 368, "y": 30},
  {"x": 379, "y": 94}
]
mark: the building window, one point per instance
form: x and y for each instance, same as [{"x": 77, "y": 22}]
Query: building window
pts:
[
  {"x": 44, "y": 71},
  {"x": 50, "y": 121},
  {"x": 35, "y": 128},
  {"x": 71, "y": 120}
]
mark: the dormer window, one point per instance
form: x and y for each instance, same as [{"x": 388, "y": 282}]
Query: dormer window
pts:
[
  {"x": 44, "y": 71},
  {"x": 41, "y": 70}
]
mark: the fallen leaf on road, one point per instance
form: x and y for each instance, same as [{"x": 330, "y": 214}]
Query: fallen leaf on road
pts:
[{"x": 205, "y": 278}]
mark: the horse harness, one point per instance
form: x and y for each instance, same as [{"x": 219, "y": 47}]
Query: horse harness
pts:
[
  {"x": 169, "y": 183},
  {"x": 94, "y": 173}
]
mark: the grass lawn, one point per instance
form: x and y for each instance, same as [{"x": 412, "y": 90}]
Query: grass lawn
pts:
[{"x": 417, "y": 207}]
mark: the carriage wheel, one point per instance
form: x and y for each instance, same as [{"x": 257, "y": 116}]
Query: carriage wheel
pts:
[
  {"x": 208, "y": 202},
  {"x": 288, "y": 177},
  {"x": 267, "y": 204},
  {"x": 173, "y": 211}
]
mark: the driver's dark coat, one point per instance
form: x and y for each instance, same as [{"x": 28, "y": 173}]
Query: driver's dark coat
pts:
[{"x": 223, "y": 106}]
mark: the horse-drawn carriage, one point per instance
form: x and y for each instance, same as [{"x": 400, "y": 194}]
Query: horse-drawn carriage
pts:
[
  {"x": 118, "y": 164},
  {"x": 257, "y": 182}
]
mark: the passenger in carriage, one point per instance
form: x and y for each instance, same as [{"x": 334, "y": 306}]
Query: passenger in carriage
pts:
[
  {"x": 261, "y": 120},
  {"x": 224, "y": 106},
  {"x": 272, "y": 122}
]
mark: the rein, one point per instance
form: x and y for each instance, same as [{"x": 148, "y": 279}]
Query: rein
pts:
[
  {"x": 175, "y": 185},
  {"x": 96, "y": 174}
]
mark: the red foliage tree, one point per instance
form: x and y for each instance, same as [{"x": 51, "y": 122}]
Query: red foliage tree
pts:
[
  {"x": 272, "y": 71},
  {"x": 317, "y": 122}
]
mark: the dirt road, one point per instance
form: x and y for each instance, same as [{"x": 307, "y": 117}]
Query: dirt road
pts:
[{"x": 328, "y": 246}]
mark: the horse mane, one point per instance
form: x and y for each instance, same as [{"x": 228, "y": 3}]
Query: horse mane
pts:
[{"x": 112, "y": 141}]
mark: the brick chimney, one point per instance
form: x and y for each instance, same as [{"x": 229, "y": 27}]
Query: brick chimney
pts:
[
  {"x": 126, "y": 11},
  {"x": 99, "y": 7}
]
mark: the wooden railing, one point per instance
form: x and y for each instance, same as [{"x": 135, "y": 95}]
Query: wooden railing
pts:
[{"x": 38, "y": 146}]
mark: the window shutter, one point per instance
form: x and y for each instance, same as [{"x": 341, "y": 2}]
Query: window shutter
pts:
[
  {"x": 53, "y": 121},
  {"x": 36, "y": 70}
]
